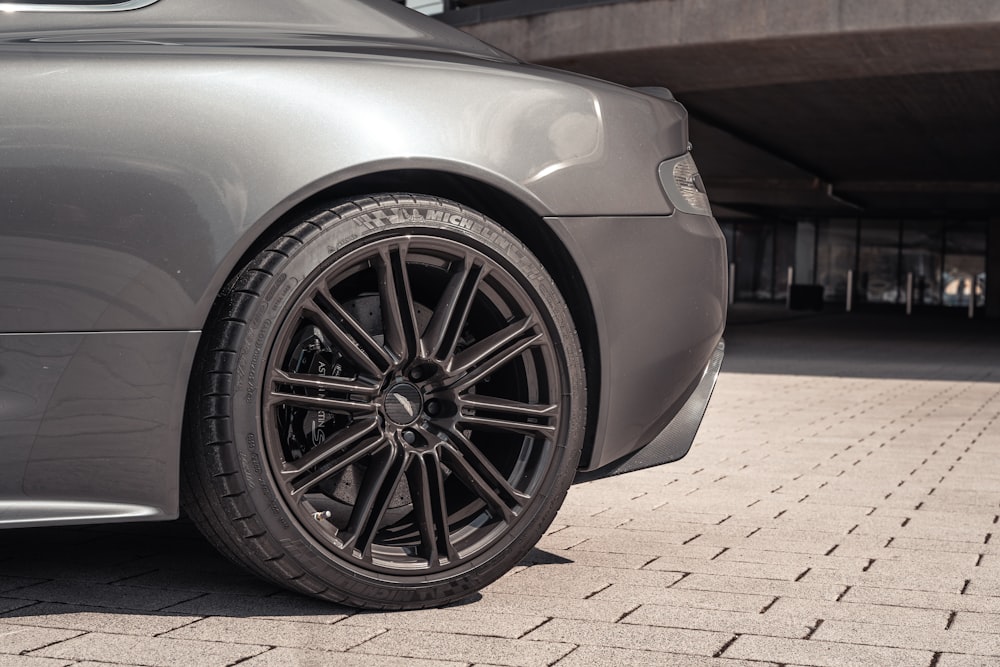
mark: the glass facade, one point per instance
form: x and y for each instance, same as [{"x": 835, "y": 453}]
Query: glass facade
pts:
[
  {"x": 762, "y": 252},
  {"x": 836, "y": 254},
  {"x": 878, "y": 262},
  {"x": 964, "y": 265},
  {"x": 947, "y": 259}
]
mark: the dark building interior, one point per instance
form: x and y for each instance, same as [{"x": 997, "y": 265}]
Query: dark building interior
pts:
[{"x": 838, "y": 139}]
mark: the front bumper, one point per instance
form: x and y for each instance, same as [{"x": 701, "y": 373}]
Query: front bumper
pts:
[{"x": 657, "y": 285}]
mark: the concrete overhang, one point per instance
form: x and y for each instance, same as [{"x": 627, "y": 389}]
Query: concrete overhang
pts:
[{"x": 890, "y": 107}]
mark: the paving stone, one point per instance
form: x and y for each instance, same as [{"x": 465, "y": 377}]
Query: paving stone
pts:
[
  {"x": 463, "y": 648},
  {"x": 769, "y": 543},
  {"x": 458, "y": 620},
  {"x": 951, "y": 558},
  {"x": 576, "y": 505},
  {"x": 938, "y": 503},
  {"x": 980, "y": 519},
  {"x": 676, "y": 597},
  {"x": 805, "y": 561},
  {"x": 18, "y": 639},
  {"x": 832, "y": 526},
  {"x": 914, "y": 530},
  {"x": 659, "y": 524},
  {"x": 776, "y": 533},
  {"x": 955, "y": 660},
  {"x": 239, "y": 583},
  {"x": 623, "y": 635},
  {"x": 785, "y": 571},
  {"x": 772, "y": 625},
  {"x": 984, "y": 585},
  {"x": 991, "y": 562},
  {"x": 568, "y": 518},
  {"x": 628, "y": 541},
  {"x": 601, "y": 656},
  {"x": 290, "y": 607},
  {"x": 954, "y": 641},
  {"x": 872, "y": 579},
  {"x": 267, "y": 632},
  {"x": 154, "y": 651},
  {"x": 102, "y": 595},
  {"x": 770, "y": 587},
  {"x": 563, "y": 539},
  {"x": 549, "y": 607},
  {"x": 809, "y": 611},
  {"x": 285, "y": 657},
  {"x": 8, "y": 585},
  {"x": 31, "y": 661},
  {"x": 596, "y": 558},
  {"x": 609, "y": 494},
  {"x": 823, "y": 654},
  {"x": 825, "y": 512},
  {"x": 923, "y": 599},
  {"x": 10, "y": 604},
  {"x": 918, "y": 568},
  {"x": 705, "y": 518},
  {"x": 973, "y": 622},
  {"x": 549, "y": 580},
  {"x": 95, "y": 619},
  {"x": 101, "y": 569},
  {"x": 929, "y": 544}
]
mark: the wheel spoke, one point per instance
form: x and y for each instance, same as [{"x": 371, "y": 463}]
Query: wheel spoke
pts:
[
  {"x": 401, "y": 333},
  {"x": 430, "y": 507},
  {"x": 319, "y": 403},
  {"x": 505, "y": 415},
  {"x": 347, "y": 446},
  {"x": 490, "y": 354},
  {"x": 523, "y": 428},
  {"x": 322, "y": 383},
  {"x": 351, "y": 339},
  {"x": 475, "y": 483},
  {"x": 452, "y": 311},
  {"x": 381, "y": 481},
  {"x": 492, "y": 477},
  {"x": 513, "y": 408}
]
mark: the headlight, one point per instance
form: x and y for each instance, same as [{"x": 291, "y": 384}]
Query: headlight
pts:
[{"x": 683, "y": 185}]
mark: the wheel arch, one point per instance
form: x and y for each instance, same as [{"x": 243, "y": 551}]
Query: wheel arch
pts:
[{"x": 525, "y": 221}]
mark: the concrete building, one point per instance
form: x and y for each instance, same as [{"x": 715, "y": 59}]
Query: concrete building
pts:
[{"x": 835, "y": 136}]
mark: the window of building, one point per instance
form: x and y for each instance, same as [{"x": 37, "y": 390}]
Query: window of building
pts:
[
  {"x": 947, "y": 259},
  {"x": 964, "y": 266},
  {"x": 836, "y": 254}
]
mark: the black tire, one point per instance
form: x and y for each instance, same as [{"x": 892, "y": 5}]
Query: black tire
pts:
[{"x": 388, "y": 406}]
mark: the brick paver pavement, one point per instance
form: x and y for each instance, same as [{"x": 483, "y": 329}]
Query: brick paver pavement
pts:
[{"x": 840, "y": 507}]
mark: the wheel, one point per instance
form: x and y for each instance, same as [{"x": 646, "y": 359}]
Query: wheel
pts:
[{"x": 388, "y": 406}]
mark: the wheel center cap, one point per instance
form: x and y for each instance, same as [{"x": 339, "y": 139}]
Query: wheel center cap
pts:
[{"x": 403, "y": 403}]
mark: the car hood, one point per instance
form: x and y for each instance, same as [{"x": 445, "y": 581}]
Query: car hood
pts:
[{"x": 294, "y": 24}]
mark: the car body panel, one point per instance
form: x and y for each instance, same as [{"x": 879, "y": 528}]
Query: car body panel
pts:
[
  {"x": 91, "y": 420},
  {"x": 658, "y": 285},
  {"x": 115, "y": 160},
  {"x": 145, "y": 152}
]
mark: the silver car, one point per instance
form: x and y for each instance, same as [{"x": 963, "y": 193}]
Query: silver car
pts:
[{"x": 357, "y": 293}]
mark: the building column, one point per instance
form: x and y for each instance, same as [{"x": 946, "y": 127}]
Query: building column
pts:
[
  {"x": 805, "y": 252},
  {"x": 993, "y": 270}
]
